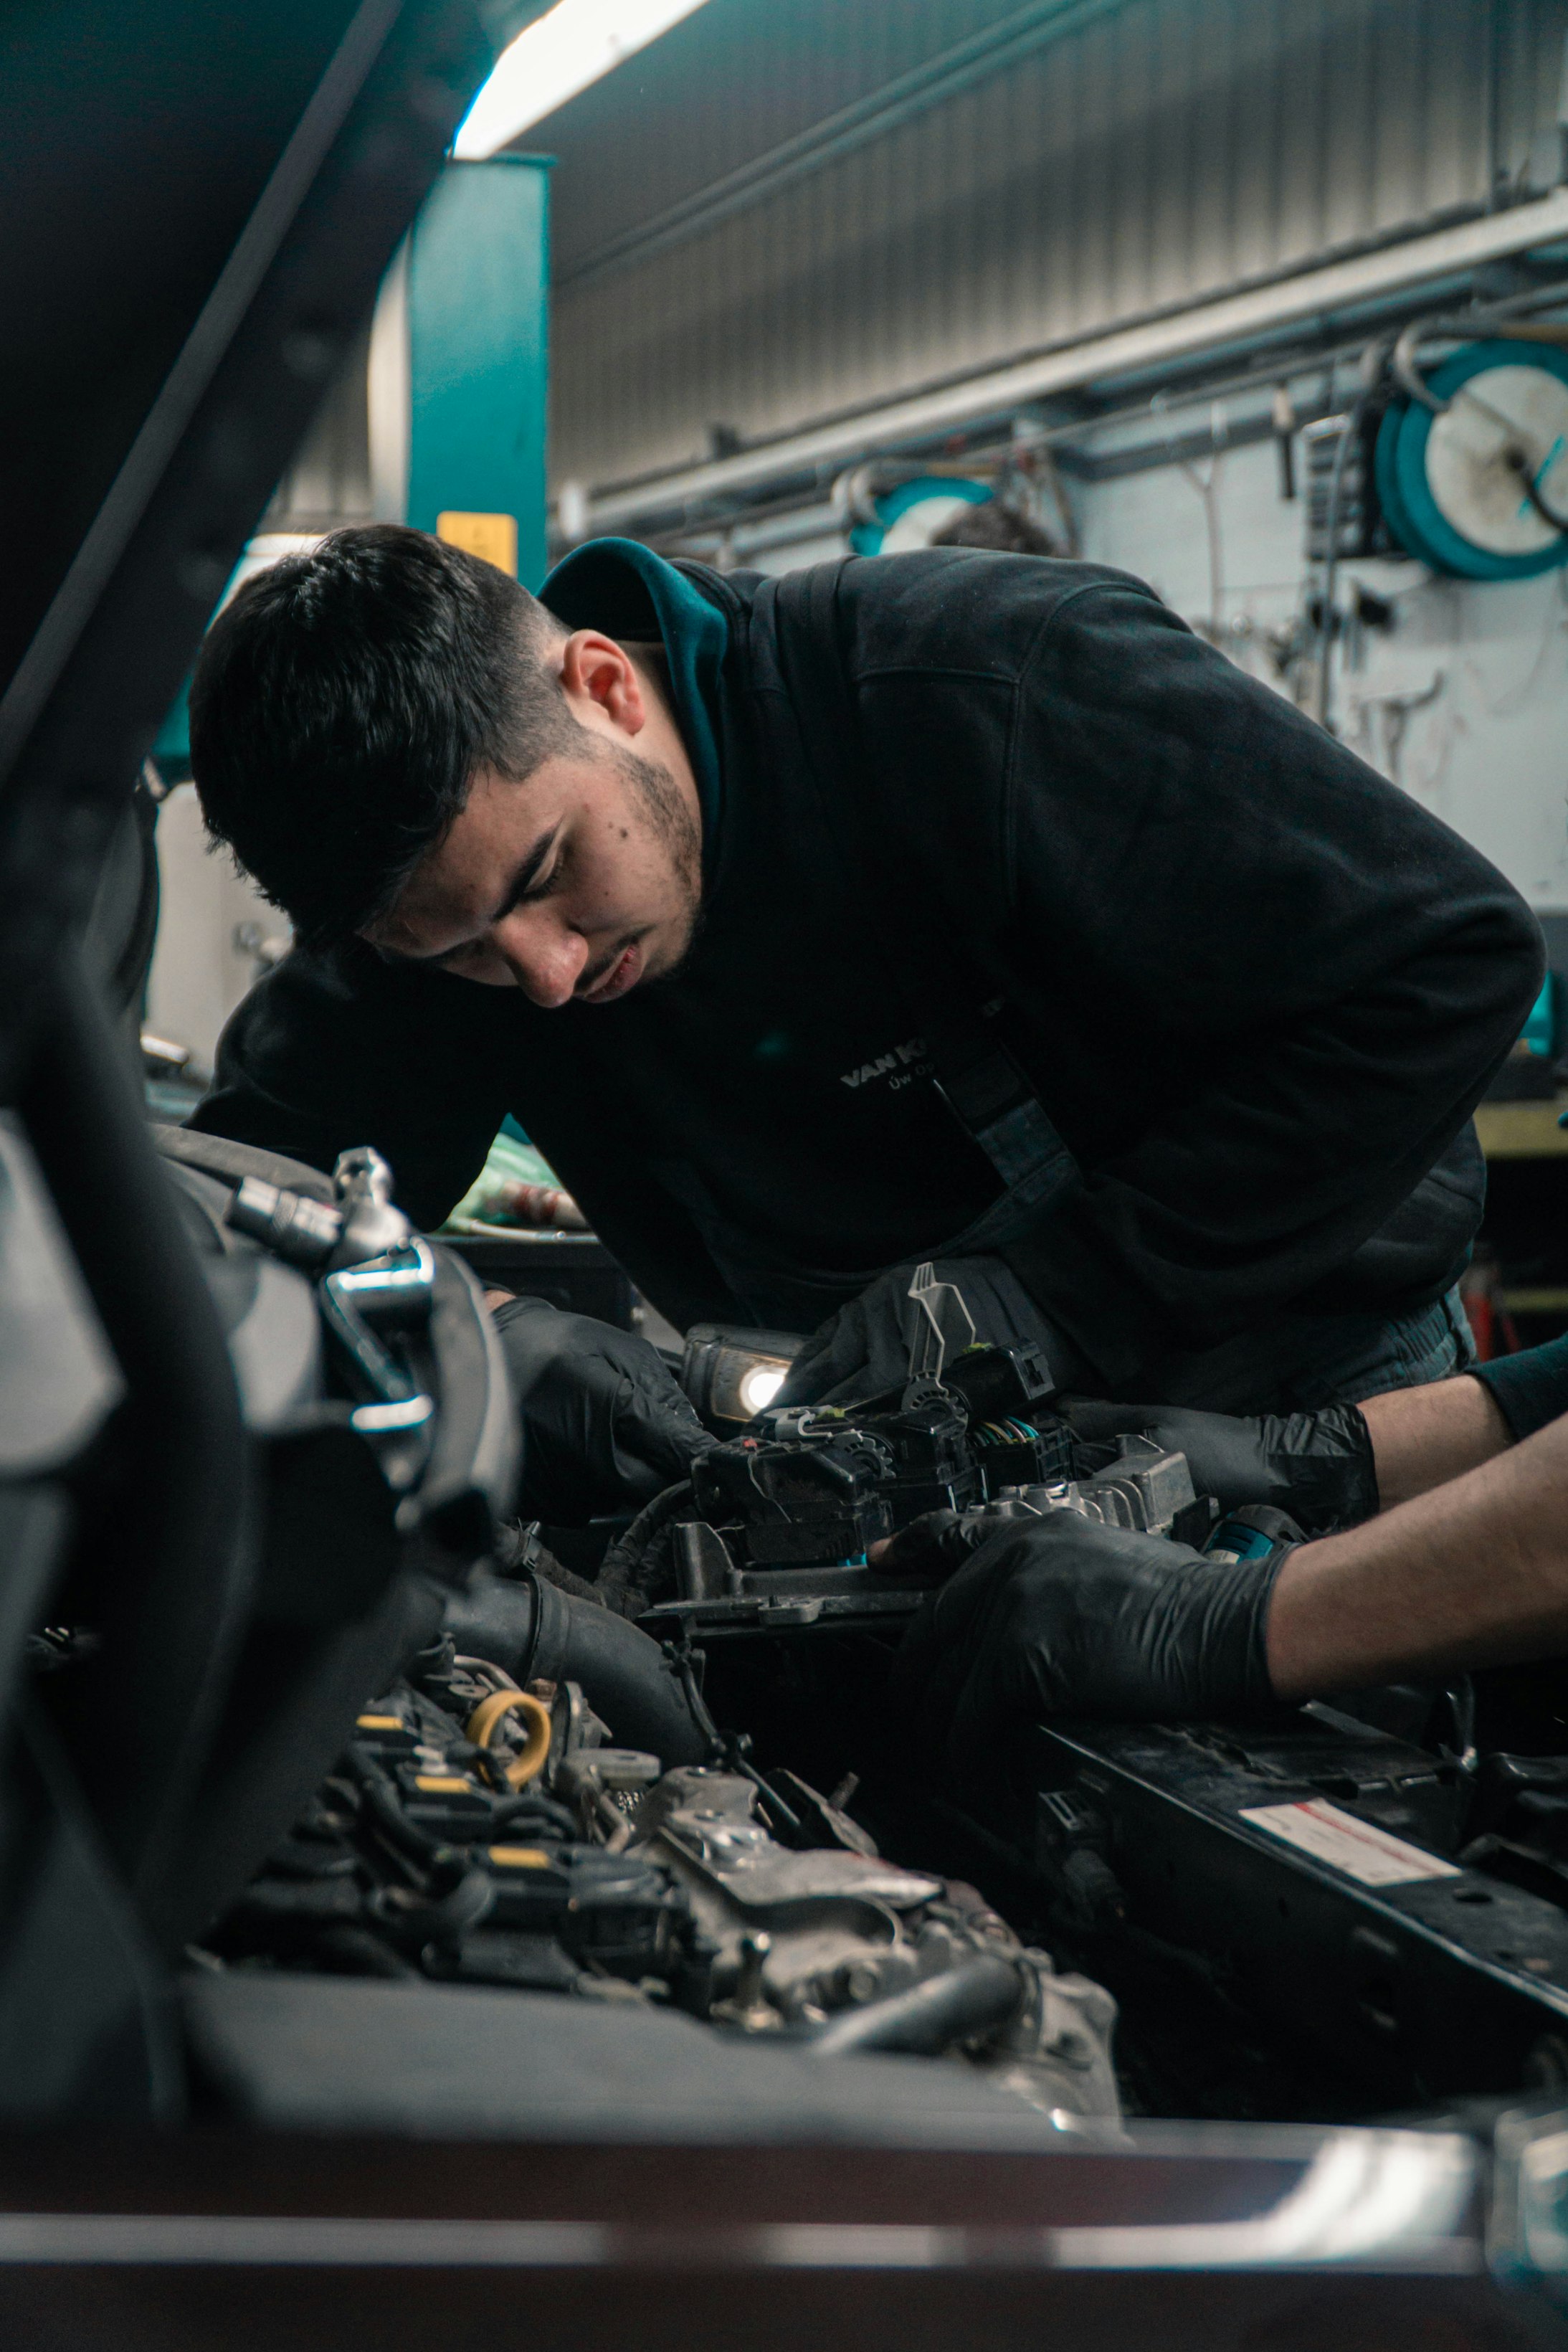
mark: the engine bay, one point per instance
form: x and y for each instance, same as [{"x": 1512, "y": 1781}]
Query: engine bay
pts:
[
  {"x": 476, "y": 1833},
  {"x": 687, "y": 1792},
  {"x": 413, "y": 1910}
]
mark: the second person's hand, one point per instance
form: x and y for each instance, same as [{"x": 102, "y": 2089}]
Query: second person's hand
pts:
[{"x": 605, "y": 1425}]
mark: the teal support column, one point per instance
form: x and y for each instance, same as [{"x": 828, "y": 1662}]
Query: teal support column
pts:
[
  {"x": 478, "y": 291},
  {"x": 457, "y": 384}
]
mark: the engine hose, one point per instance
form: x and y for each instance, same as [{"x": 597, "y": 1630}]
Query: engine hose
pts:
[
  {"x": 623, "y": 1673},
  {"x": 928, "y": 2018}
]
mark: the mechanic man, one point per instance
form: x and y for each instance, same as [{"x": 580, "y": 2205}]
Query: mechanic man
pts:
[
  {"x": 1452, "y": 1553},
  {"x": 955, "y": 905}
]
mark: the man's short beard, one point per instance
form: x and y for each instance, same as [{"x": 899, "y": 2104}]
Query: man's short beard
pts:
[{"x": 674, "y": 826}]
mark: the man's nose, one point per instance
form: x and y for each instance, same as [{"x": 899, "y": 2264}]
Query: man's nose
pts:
[{"x": 546, "y": 959}]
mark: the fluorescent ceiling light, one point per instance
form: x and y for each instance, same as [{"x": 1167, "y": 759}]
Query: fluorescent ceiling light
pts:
[{"x": 554, "y": 57}]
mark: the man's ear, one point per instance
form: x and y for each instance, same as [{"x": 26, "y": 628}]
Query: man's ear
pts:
[{"x": 600, "y": 680}]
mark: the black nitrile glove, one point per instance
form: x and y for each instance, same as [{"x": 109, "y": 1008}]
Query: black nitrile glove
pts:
[
  {"x": 605, "y": 1426},
  {"x": 1060, "y": 1615},
  {"x": 1318, "y": 1466},
  {"x": 931, "y": 1548},
  {"x": 1530, "y": 1388},
  {"x": 863, "y": 1349}
]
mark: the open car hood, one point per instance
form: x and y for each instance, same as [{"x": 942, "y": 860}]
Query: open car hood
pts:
[{"x": 199, "y": 206}]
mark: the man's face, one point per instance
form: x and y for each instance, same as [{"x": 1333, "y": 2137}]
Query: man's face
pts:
[{"x": 575, "y": 886}]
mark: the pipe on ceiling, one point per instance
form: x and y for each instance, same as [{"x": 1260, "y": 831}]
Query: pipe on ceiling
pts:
[{"x": 1146, "y": 347}]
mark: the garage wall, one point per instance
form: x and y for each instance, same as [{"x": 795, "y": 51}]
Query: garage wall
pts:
[
  {"x": 201, "y": 965},
  {"x": 1484, "y": 669},
  {"x": 794, "y": 209},
  {"x": 1463, "y": 700}
]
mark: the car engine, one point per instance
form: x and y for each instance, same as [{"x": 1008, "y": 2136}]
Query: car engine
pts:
[
  {"x": 474, "y": 1832},
  {"x": 1350, "y": 1906}
]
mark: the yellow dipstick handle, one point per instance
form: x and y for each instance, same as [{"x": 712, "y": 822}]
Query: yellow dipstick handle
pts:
[{"x": 535, "y": 1716}]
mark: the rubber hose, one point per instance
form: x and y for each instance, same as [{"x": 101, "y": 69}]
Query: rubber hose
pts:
[
  {"x": 622, "y": 1672},
  {"x": 930, "y": 2017}
]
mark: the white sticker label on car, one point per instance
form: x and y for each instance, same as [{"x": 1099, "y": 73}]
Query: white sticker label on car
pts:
[{"x": 1358, "y": 1848}]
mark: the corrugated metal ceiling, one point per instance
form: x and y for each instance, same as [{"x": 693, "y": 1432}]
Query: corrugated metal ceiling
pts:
[
  {"x": 876, "y": 217},
  {"x": 735, "y": 81}
]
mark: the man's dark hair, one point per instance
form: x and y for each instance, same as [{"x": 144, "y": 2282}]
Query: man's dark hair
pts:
[
  {"x": 342, "y": 704},
  {"x": 994, "y": 523}
]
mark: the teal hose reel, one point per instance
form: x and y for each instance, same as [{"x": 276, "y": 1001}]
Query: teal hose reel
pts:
[
  {"x": 911, "y": 515},
  {"x": 1473, "y": 477}
]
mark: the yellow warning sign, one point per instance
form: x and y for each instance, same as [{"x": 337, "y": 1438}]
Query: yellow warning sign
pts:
[{"x": 492, "y": 537}]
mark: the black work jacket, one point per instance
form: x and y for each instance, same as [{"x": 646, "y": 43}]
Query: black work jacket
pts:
[{"x": 1257, "y": 990}]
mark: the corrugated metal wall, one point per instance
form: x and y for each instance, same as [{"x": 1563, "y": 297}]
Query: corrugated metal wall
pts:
[{"x": 1120, "y": 159}]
